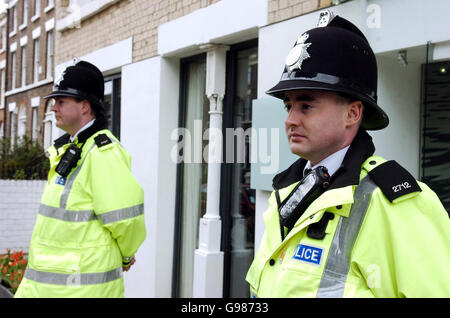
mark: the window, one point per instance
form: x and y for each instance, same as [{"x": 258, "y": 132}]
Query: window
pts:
[
  {"x": 13, "y": 70},
  {"x": 37, "y": 7},
  {"x": 1, "y": 130},
  {"x": 24, "y": 66},
  {"x": 436, "y": 130},
  {"x": 50, "y": 5},
  {"x": 50, "y": 54},
  {"x": 22, "y": 124},
  {"x": 36, "y": 60},
  {"x": 48, "y": 123},
  {"x": 3, "y": 38},
  {"x": 14, "y": 19},
  {"x": 35, "y": 123},
  {"x": 12, "y": 128},
  {"x": 25, "y": 12},
  {"x": 192, "y": 172},
  {"x": 2, "y": 89},
  {"x": 112, "y": 103}
]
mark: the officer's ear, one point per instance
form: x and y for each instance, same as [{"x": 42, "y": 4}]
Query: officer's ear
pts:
[
  {"x": 354, "y": 113},
  {"x": 86, "y": 107}
]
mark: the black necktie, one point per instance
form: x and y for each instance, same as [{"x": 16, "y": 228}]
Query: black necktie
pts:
[{"x": 306, "y": 171}]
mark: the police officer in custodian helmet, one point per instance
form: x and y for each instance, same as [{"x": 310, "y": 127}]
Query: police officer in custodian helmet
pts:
[
  {"x": 343, "y": 222},
  {"x": 90, "y": 221}
]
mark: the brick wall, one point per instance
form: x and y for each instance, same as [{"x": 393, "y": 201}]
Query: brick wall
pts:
[
  {"x": 19, "y": 203},
  {"x": 22, "y": 95},
  {"x": 285, "y": 9},
  {"x": 137, "y": 18}
]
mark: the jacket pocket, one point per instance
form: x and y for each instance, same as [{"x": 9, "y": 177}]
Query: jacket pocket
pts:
[{"x": 54, "y": 259}]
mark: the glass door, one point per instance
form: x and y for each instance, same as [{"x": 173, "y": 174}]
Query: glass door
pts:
[
  {"x": 192, "y": 172},
  {"x": 238, "y": 199}
]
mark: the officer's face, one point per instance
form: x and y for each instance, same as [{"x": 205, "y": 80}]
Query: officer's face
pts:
[
  {"x": 68, "y": 114},
  {"x": 317, "y": 123}
]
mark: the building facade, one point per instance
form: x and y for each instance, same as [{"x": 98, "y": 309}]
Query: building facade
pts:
[
  {"x": 30, "y": 66},
  {"x": 3, "y": 72},
  {"x": 185, "y": 84}
]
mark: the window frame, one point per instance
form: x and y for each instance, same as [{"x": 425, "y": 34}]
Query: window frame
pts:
[{"x": 227, "y": 168}]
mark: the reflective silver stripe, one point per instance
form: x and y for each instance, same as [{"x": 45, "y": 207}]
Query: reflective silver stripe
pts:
[
  {"x": 69, "y": 182},
  {"x": 121, "y": 214},
  {"x": 66, "y": 215},
  {"x": 338, "y": 260},
  {"x": 74, "y": 279}
]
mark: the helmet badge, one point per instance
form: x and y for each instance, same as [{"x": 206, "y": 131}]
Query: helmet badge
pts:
[
  {"x": 325, "y": 18},
  {"x": 298, "y": 54}
]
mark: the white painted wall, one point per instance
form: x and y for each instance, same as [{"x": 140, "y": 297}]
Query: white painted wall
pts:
[
  {"x": 149, "y": 113},
  {"x": 225, "y": 22},
  {"x": 19, "y": 205}
]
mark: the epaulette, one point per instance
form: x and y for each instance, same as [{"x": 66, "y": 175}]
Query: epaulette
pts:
[
  {"x": 102, "y": 140},
  {"x": 61, "y": 141},
  {"x": 394, "y": 180}
]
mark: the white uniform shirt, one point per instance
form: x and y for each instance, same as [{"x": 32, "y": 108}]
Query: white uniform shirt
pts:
[
  {"x": 332, "y": 162},
  {"x": 89, "y": 124}
]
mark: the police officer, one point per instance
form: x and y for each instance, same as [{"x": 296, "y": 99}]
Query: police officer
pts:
[
  {"x": 90, "y": 221},
  {"x": 343, "y": 222}
]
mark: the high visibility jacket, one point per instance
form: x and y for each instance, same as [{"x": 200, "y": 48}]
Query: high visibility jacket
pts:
[
  {"x": 87, "y": 222},
  {"x": 375, "y": 232}
]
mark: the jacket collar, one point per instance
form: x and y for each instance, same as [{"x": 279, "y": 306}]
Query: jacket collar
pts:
[
  {"x": 99, "y": 124},
  {"x": 348, "y": 173}
]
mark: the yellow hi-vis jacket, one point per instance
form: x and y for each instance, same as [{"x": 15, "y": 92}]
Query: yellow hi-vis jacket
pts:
[
  {"x": 358, "y": 239},
  {"x": 86, "y": 224}
]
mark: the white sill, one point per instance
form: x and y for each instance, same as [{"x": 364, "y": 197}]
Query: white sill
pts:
[
  {"x": 11, "y": 34},
  {"x": 29, "y": 86},
  {"x": 34, "y": 18},
  {"x": 48, "y": 8},
  {"x": 23, "y": 26}
]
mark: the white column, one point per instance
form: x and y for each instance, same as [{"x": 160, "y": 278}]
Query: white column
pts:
[{"x": 208, "y": 259}]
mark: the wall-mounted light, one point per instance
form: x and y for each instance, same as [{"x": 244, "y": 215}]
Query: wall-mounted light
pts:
[
  {"x": 443, "y": 70},
  {"x": 402, "y": 58}
]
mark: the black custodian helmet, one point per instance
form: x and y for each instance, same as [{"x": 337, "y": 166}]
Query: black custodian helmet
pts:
[
  {"x": 82, "y": 80},
  {"x": 335, "y": 56}
]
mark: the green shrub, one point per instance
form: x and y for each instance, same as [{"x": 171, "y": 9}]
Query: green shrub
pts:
[{"x": 25, "y": 160}]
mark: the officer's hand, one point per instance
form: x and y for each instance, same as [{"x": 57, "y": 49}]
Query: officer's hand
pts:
[{"x": 125, "y": 268}]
